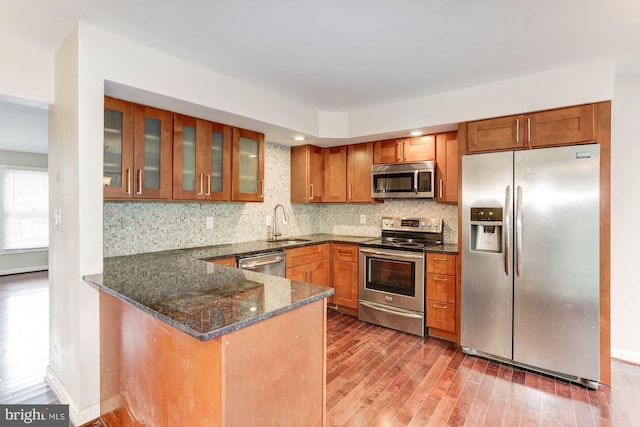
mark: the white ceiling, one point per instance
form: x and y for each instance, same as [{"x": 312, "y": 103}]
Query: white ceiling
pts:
[{"x": 344, "y": 55}]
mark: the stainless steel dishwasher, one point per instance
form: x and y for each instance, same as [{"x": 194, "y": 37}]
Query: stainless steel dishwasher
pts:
[{"x": 268, "y": 263}]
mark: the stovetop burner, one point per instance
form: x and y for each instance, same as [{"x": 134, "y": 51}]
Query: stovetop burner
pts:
[{"x": 412, "y": 234}]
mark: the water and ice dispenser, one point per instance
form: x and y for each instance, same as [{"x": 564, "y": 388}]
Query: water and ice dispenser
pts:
[{"x": 486, "y": 230}]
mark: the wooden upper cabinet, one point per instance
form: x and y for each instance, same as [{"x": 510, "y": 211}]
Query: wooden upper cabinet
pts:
[
  {"x": 359, "y": 162},
  {"x": 335, "y": 173},
  {"x": 137, "y": 151},
  {"x": 563, "y": 126},
  {"x": 247, "y": 166},
  {"x": 307, "y": 174},
  {"x": 201, "y": 159},
  {"x": 405, "y": 150},
  {"x": 118, "y": 149},
  {"x": 573, "y": 125},
  {"x": 447, "y": 167},
  {"x": 503, "y": 133}
]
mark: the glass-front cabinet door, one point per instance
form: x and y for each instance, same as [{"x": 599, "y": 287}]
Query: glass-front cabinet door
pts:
[
  {"x": 118, "y": 149},
  {"x": 201, "y": 159},
  {"x": 152, "y": 153},
  {"x": 219, "y": 158},
  {"x": 248, "y": 166}
]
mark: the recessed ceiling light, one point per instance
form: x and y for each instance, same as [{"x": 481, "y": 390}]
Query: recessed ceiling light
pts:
[
  {"x": 416, "y": 133},
  {"x": 299, "y": 138}
]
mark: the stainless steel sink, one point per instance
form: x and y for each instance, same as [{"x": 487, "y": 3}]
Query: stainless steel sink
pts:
[{"x": 287, "y": 241}]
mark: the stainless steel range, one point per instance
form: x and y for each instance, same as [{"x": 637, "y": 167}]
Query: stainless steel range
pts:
[{"x": 392, "y": 268}]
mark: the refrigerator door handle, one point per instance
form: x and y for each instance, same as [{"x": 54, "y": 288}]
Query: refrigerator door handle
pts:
[
  {"x": 507, "y": 228},
  {"x": 518, "y": 231}
]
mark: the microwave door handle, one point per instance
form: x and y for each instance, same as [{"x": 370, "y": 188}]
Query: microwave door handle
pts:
[{"x": 415, "y": 182}]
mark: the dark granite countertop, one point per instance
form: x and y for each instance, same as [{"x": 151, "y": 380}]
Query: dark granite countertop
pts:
[
  {"x": 202, "y": 299},
  {"x": 207, "y": 300}
]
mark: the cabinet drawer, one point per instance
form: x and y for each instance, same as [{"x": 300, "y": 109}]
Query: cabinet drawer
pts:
[
  {"x": 441, "y": 316},
  {"x": 306, "y": 254},
  {"x": 344, "y": 252},
  {"x": 441, "y": 263},
  {"x": 441, "y": 288}
]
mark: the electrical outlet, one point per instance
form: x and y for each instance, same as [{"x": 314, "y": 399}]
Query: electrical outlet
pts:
[
  {"x": 363, "y": 219},
  {"x": 267, "y": 221},
  {"x": 57, "y": 217},
  {"x": 209, "y": 223}
]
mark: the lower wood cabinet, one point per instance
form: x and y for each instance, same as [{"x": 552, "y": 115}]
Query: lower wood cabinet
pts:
[
  {"x": 229, "y": 261},
  {"x": 344, "y": 274},
  {"x": 308, "y": 264},
  {"x": 441, "y": 296}
]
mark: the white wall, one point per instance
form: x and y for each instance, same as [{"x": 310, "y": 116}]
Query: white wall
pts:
[
  {"x": 21, "y": 262},
  {"x": 75, "y": 245},
  {"x": 25, "y": 73},
  {"x": 625, "y": 234},
  {"x": 88, "y": 58}
]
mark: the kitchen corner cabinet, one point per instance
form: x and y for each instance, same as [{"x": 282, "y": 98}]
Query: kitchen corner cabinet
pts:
[
  {"x": 359, "y": 162},
  {"x": 137, "y": 151},
  {"x": 201, "y": 159},
  {"x": 307, "y": 174},
  {"x": 563, "y": 126},
  {"x": 405, "y": 150},
  {"x": 344, "y": 274},
  {"x": 308, "y": 264},
  {"x": 335, "y": 173},
  {"x": 247, "y": 167},
  {"x": 441, "y": 295},
  {"x": 447, "y": 167}
]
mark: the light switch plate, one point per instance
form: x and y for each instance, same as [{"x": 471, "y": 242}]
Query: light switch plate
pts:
[
  {"x": 363, "y": 219},
  {"x": 209, "y": 223},
  {"x": 267, "y": 221}
]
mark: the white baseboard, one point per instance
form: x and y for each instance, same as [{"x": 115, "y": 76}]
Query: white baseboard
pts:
[
  {"x": 24, "y": 270},
  {"x": 78, "y": 416},
  {"x": 625, "y": 355}
]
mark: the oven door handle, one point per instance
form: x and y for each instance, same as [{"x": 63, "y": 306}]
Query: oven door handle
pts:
[
  {"x": 397, "y": 312},
  {"x": 368, "y": 251}
]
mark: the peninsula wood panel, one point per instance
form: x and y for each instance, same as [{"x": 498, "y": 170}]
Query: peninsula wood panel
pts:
[
  {"x": 146, "y": 365},
  {"x": 284, "y": 382}
]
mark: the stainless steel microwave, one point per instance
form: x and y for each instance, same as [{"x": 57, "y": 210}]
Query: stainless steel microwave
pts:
[{"x": 413, "y": 180}]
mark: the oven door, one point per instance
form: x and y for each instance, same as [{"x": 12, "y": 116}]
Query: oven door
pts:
[{"x": 392, "y": 277}]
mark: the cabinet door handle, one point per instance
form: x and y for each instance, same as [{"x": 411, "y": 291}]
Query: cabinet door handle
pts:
[
  {"x": 208, "y": 184},
  {"x": 311, "y": 274},
  {"x": 345, "y": 251},
  {"x": 439, "y": 259},
  {"x": 517, "y": 131},
  {"x": 404, "y": 150},
  {"x": 438, "y": 279},
  {"x": 261, "y": 185},
  {"x": 353, "y": 277},
  {"x": 201, "y": 192},
  {"x": 311, "y": 196},
  {"x": 441, "y": 189},
  {"x": 350, "y": 191},
  {"x": 441, "y": 307},
  {"x": 128, "y": 181},
  {"x": 139, "y": 192},
  {"x": 398, "y": 155},
  {"x": 528, "y": 129}
]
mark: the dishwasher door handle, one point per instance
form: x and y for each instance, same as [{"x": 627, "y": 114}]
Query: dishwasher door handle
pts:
[{"x": 260, "y": 264}]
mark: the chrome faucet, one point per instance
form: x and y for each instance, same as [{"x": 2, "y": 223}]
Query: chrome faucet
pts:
[{"x": 275, "y": 232}]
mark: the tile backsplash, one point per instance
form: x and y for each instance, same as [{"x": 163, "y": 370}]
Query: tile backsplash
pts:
[{"x": 138, "y": 227}]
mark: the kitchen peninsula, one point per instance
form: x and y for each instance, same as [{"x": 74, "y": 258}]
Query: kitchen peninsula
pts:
[{"x": 186, "y": 342}]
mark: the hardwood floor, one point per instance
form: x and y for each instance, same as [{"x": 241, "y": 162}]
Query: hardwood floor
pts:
[
  {"x": 380, "y": 377},
  {"x": 24, "y": 339},
  {"x": 375, "y": 376}
]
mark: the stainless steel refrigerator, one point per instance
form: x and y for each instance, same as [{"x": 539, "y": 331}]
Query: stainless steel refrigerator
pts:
[{"x": 530, "y": 259}]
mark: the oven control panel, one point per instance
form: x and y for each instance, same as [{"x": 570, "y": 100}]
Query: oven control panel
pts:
[{"x": 424, "y": 225}]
